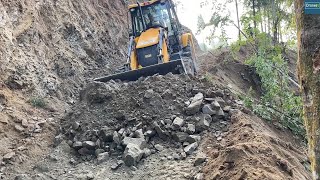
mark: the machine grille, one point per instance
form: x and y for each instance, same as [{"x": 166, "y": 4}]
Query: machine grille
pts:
[{"x": 148, "y": 56}]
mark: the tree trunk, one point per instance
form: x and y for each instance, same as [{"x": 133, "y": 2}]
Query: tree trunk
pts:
[
  {"x": 254, "y": 14},
  {"x": 239, "y": 36},
  {"x": 274, "y": 22},
  {"x": 261, "y": 22},
  {"x": 309, "y": 77}
]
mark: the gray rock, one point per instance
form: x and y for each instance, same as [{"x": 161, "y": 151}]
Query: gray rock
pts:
[
  {"x": 121, "y": 131},
  {"x": 176, "y": 156},
  {"x": 89, "y": 144},
  {"x": 116, "y": 137},
  {"x": 207, "y": 109},
  {"x": 191, "y": 148},
  {"x": 184, "y": 144},
  {"x": 140, "y": 142},
  {"x": 200, "y": 158},
  {"x": 199, "y": 176},
  {"x": 204, "y": 123},
  {"x": 159, "y": 147},
  {"x": 178, "y": 123},
  {"x": 161, "y": 133},
  {"x": 9, "y": 156},
  {"x": 219, "y": 93},
  {"x": 150, "y": 133},
  {"x": 220, "y": 113},
  {"x": 220, "y": 101},
  {"x": 107, "y": 134},
  {"x": 149, "y": 94},
  {"x": 147, "y": 152},
  {"x": 195, "y": 105},
  {"x": 24, "y": 123},
  {"x": 138, "y": 133},
  {"x": 168, "y": 121},
  {"x": 132, "y": 155},
  {"x": 102, "y": 157},
  {"x": 180, "y": 136},
  {"x": 227, "y": 108},
  {"x": 4, "y": 119},
  {"x": 98, "y": 151},
  {"x": 75, "y": 125},
  {"x": 85, "y": 151},
  {"x": 193, "y": 138},
  {"x": 116, "y": 165},
  {"x": 191, "y": 129},
  {"x": 77, "y": 145},
  {"x": 215, "y": 105},
  {"x": 18, "y": 128},
  {"x": 183, "y": 155}
]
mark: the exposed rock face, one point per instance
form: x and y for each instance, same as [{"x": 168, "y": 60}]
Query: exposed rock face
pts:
[{"x": 50, "y": 46}]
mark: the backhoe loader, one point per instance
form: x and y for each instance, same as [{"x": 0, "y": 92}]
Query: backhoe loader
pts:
[{"x": 157, "y": 43}]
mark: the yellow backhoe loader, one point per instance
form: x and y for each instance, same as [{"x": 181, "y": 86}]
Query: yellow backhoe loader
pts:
[{"x": 157, "y": 43}]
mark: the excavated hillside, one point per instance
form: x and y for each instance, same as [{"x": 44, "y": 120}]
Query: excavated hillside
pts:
[{"x": 55, "y": 123}]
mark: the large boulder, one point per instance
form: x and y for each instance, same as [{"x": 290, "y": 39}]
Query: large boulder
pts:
[
  {"x": 132, "y": 154},
  {"x": 195, "y": 105}
]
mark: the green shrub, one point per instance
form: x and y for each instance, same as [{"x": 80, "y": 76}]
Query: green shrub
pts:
[{"x": 37, "y": 102}]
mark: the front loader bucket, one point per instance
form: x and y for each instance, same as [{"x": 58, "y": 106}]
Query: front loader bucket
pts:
[{"x": 175, "y": 67}]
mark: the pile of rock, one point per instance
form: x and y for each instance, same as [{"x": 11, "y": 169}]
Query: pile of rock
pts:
[{"x": 135, "y": 139}]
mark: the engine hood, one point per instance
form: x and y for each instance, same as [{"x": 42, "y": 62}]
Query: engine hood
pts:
[{"x": 148, "y": 38}]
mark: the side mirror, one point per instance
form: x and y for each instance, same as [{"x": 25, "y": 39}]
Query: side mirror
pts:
[{"x": 130, "y": 32}]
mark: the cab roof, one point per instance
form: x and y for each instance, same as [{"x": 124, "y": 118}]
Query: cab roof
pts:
[{"x": 147, "y": 3}]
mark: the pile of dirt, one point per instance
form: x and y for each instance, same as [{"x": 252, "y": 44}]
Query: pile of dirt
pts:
[
  {"x": 254, "y": 149},
  {"x": 172, "y": 108}
]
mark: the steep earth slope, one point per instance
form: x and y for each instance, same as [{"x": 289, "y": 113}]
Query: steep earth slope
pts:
[{"x": 50, "y": 47}]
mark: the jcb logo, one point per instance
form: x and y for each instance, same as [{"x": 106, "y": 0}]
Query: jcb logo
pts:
[{"x": 148, "y": 56}]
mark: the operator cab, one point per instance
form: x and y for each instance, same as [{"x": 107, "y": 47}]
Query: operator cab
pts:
[{"x": 157, "y": 14}]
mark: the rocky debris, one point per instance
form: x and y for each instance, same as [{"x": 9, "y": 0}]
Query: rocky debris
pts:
[
  {"x": 204, "y": 123},
  {"x": 161, "y": 133},
  {"x": 193, "y": 138},
  {"x": 77, "y": 145},
  {"x": 4, "y": 119},
  {"x": 180, "y": 136},
  {"x": 116, "y": 165},
  {"x": 199, "y": 176},
  {"x": 132, "y": 154},
  {"x": 102, "y": 157},
  {"x": 200, "y": 158},
  {"x": 139, "y": 142},
  {"x": 9, "y": 156},
  {"x": 19, "y": 128},
  {"x": 195, "y": 104},
  {"x": 89, "y": 144},
  {"x": 146, "y": 119},
  {"x": 159, "y": 147},
  {"x": 191, "y": 148},
  {"x": 191, "y": 129},
  {"x": 207, "y": 109},
  {"x": 178, "y": 123}
]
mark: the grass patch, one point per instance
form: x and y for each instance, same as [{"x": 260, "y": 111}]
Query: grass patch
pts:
[{"x": 37, "y": 102}]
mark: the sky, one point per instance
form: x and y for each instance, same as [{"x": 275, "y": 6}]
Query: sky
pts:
[{"x": 189, "y": 11}]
